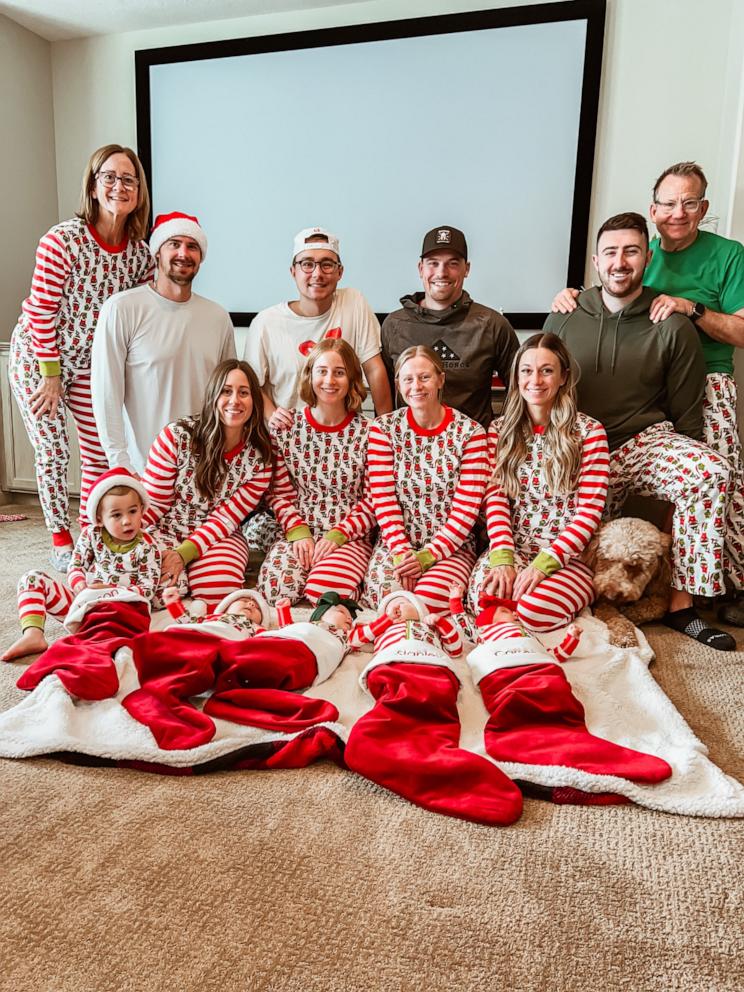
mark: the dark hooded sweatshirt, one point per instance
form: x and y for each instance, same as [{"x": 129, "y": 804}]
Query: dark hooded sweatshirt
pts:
[
  {"x": 473, "y": 341},
  {"x": 634, "y": 373}
]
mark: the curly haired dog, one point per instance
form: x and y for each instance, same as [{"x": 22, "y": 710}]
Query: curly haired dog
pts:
[{"x": 632, "y": 576}]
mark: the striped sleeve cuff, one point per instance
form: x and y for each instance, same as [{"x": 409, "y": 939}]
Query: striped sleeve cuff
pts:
[
  {"x": 500, "y": 556},
  {"x": 337, "y": 536},
  {"x": 48, "y": 369}
]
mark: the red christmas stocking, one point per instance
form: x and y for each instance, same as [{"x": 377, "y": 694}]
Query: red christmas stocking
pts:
[
  {"x": 265, "y": 662},
  {"x": 174, "y": 665},
  {"x": 409, "y": 743},
  {"x": 270, "y": 709},
  {"x": 83, "y": 662},
  {"x": 535, "y": 719}
]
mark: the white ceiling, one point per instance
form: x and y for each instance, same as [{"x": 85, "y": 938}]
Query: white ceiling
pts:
[{"x": 60, "y": 20}]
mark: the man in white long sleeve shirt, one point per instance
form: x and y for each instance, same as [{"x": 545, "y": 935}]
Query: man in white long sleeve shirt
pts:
[{"x": 156, "y": 346}]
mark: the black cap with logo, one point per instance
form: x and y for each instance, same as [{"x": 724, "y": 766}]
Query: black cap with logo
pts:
[{"x": 445, "y": 239}]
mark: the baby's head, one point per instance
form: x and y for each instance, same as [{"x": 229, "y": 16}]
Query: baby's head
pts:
[
  {"x": 335, "y": 610},
  {"x": 402, "y": 605},
  {"x": 495, "y": 609},
  {"x": 117, "y": 501},
  {"x": 246, "y": 603},
  {"x": 120, "y": 512},
  {"x": 245, "y": 606}
]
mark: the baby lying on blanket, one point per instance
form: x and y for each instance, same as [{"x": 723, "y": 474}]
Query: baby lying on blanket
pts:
[
  {"x": 244, "y": 610},
  {"x": 409, "y": 742},
  {"x": 534, "y": 717},
  {"x": 236, "y": 664}
]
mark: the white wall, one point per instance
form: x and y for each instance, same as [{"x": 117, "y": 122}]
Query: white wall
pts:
[{"x": 27, "y": 164}]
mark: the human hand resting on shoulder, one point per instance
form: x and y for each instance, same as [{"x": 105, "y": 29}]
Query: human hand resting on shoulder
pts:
[
  {"x": 565, "y": 301},
  {"x": 280, "y": 419}
]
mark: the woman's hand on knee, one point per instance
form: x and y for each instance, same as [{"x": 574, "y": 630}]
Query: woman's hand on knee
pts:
[
  {"x": 323, "y": 548},
  {"x": 170, "y": 567},
  {"x": 45, "y": 399},
  {"x": 499, "y": 581},
  {"x": 408, "y": 567},
  {"x": 527, "y": 580},
  {"x": 303, "y": 551}
]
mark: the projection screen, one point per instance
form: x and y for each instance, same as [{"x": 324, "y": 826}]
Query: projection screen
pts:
[{"x": 484, "y": 121}]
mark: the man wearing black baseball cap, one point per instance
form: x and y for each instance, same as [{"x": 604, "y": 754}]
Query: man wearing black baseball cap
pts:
[{"x": 472, "y": 340}]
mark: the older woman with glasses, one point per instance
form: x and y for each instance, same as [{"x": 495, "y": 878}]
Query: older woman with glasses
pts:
[{"x": 79, "y": 264}]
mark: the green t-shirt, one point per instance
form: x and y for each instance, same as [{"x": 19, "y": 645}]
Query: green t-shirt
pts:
[{"x": 710, "y": 271}]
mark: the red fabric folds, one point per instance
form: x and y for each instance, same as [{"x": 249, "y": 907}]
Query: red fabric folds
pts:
[
  {"x": 250, "y": 681},
  {"x": 270, "y": 709},
  {"x": 265, "y": 662},
  {"x": 535, "y": 719},
  {"x": 83, "y": 662},
  {"x": 409, "y": 743},
  {"x": 173, "y": 665}
]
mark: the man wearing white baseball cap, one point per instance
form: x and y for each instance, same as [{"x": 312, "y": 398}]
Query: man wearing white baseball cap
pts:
[
  {"x": 156, "y": 346},
  {"x": 280, "y": 337}
]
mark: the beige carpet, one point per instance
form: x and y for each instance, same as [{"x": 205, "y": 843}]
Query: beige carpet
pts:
[{"x": 316, "y": 881}]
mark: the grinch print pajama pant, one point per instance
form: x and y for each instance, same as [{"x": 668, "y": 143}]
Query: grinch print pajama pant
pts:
[
  {"x": 434, "y": 585},
  {"x": 660, "y": 463},
  {"x": 553, "y": 603},
  {"x": 721, "y": 432},
  {"x": 341, "y": 571},
  {"x": 39, "y": 594},
  {"x": 50, "y": 436}
]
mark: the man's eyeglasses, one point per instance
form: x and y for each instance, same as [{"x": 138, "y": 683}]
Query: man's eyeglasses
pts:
[
  {"x": 109, "y": 180},
  {"x": 690, "y": 206},
  {"x": 326, "y": 265}
]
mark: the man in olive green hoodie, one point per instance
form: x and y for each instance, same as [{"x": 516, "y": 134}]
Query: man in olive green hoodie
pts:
[{"x": 645, "y": 382}]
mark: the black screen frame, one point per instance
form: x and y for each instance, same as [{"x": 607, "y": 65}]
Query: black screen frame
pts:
[{"x": 591, "y": 11}]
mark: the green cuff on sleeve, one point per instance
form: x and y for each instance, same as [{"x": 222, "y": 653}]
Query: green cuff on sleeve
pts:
[
  {"x": 337, "y": 536},
  {"x": 500, "y": 556},
  {"x": 299, "y": 533},
  {"x": 188, "y": 551},
  {"x": 50, "y": 368},
  {"x": 32, "y": 620},
  {"x": 544, "y": 562},
  {"x": 426, "y": 559}
]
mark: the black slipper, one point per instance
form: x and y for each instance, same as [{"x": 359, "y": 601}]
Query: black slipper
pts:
[{"x": 689, "y": 622}]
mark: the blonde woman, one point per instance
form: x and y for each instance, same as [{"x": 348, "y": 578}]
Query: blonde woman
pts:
[
  {"x": 428, "y": 469},
  {"x": 548, "y": 488},
  {"x": 327, "y": 517},
  {"x": 79, "y": 264}
]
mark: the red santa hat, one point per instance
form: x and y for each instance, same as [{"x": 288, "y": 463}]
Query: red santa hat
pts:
[
  {"x": 114, "y": 477},
  {"x": 247, "y": 594},
  {"x": 420, "y": 605},
  {"x": 175, "y": 225}
]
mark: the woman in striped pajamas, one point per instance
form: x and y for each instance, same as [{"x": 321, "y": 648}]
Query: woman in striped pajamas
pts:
[
  {"x": 325, "y": 517},
  {"x": 428, "y": 469},
  {"x": 79, "y": 264},
  {"x": 204, "y": 474},
  {"x": 548, "y": 488}
]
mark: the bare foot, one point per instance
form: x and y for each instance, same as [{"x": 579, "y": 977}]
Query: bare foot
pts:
[{"x": 31, "y": 641}]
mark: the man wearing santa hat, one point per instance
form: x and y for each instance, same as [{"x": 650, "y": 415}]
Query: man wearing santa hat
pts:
[{"x": 156, "y": 346}]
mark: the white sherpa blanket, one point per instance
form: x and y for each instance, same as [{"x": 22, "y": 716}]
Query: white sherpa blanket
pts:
[{"x": 623, "y": 703}]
